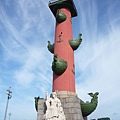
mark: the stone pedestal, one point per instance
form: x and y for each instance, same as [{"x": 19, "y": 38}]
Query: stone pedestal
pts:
[
  {"x": 70, "y": 103},
  {"x": 41, "y": 109}
]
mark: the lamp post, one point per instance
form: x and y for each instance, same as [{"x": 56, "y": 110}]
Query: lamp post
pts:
[
  {"x": 9, "y": 93},
  {"x": 9, "y": 115}
]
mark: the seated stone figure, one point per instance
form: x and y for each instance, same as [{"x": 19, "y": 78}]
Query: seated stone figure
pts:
[{"x": 54, "y": 110}]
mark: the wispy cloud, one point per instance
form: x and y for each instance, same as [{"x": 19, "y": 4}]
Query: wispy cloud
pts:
[
  {"x": 25, "y": 55},
  {"x": 98, "y": 57},
  {"x": 20, "y": 46},
  {"x": 26, "y": 63}
]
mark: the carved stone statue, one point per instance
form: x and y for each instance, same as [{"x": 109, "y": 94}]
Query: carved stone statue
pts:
[{"x": 54, "y": 109}]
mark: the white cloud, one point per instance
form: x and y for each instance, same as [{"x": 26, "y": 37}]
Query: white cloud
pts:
[
  {"x": 98, "y": 58},
  {"x": 24, "y": 40}
]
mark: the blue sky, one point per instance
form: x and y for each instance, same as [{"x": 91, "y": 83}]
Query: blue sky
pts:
[{"x": 25, "y": 62}]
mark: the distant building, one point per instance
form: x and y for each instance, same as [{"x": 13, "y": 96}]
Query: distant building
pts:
[{"x": 106, "y": 118}]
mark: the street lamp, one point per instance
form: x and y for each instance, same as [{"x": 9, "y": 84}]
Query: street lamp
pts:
[
  {"x": 9, "y": 115},
  {"x": 9, "y": 93}
]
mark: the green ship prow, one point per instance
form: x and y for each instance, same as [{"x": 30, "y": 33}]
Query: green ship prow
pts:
[{"x": 88, "y": 107}]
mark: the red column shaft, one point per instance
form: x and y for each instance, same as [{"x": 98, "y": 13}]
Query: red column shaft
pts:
[{"x": 63, "y": 32}]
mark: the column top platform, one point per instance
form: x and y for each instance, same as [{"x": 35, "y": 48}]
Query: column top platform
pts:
[{"x": 54, "y": 5}]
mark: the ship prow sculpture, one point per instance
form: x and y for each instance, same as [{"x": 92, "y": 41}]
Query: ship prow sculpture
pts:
[
  {"x": 63, "y": 103},
  {"x": 88, "y": 107}
]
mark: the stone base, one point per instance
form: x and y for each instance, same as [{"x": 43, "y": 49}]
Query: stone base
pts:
[
  {"x": 41, "y": 109},
  {"x": 70, "y": 103}
]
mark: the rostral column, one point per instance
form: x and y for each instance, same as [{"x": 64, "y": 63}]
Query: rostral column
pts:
[
  {"x": 72, "y": 107},
  {"x": 63, "y": 69},
  {"x": 64, "y": 46}
]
